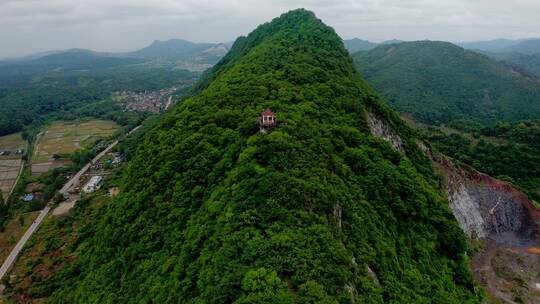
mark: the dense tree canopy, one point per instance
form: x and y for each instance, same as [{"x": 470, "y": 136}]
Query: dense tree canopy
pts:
[
  {"x": 510, "y": 151},
  {"x": 438, "y": 82},
  {"x": 315, "y": 211},
  {"x": 69, "y": 94}
]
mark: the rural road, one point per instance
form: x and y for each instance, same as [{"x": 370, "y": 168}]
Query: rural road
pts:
[
  {"x": 43, "y": 213},
  {"x": 15, "y": 252},
  {"x": 77, "y": 176}
]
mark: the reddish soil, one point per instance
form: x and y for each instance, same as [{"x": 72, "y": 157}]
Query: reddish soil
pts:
[{"x": 508, "y": 274}]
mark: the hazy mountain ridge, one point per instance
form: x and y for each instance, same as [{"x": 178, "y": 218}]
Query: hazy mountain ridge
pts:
[
  {"x": 522, "y": 46},
  {"x": 179, "y": 49},
  {"x": 175, "y": 52},
  {"x": 489, "y": 45},
  {"x": 354, "y": 45}
]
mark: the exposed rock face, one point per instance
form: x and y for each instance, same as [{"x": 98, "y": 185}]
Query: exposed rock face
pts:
[
  {"x": 380, "y": 128},
  {"x": 507, "y": 223},
  {"x": 467, "y": 212},
  {"x": 488, "y": 208},
  {"x": 494, "y": 212}
]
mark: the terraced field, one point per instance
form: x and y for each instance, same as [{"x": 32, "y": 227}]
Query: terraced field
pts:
[
  {"x": 61, "y": 139},
  {"x": 11, "y": 149}
]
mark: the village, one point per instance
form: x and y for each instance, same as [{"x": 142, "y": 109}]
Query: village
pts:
[
  {"x": 153, "y": 102},
  {"x": 90, "y": 180}
]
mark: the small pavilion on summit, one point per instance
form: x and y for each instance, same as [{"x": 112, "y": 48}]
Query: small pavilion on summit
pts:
[{"x": 267, "y": 120}]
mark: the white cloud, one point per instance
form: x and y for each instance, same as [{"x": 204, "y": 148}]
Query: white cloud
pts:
[{"x": 28, "y": 26}]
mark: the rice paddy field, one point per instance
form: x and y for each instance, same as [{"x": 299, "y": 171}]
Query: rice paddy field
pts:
[
  {"x": 11, "y": 149},
  {"x": 61, "y": 139}
]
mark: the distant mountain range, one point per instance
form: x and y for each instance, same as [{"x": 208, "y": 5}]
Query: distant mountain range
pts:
[
  {"x": 182, "y": 50},
  {"x": 173, "y": 49},
  {"x": 524, "y": 54},
  {"x": 354, "y": 45},
  {"x": 522, "y": 46},
  {"x": 176, "y": 53}
]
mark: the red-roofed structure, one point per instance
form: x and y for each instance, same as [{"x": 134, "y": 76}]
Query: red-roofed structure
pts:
[{"x": 268, "y": 118}]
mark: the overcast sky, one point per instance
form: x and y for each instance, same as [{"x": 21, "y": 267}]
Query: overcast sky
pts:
[{"x": 29, "y": 26}]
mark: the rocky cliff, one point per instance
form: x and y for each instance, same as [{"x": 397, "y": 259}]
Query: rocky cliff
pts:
[
  {"x": 493, "y": 214},
  {"x": 488, "y": 208},
  {"x": 505, "y": 223}
]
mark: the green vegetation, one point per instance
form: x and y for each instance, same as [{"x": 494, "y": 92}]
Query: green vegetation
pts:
[
  {"x": 51, "y": 249},
  {"x": 438, "y": 82},
  {"x": 508, "y": 151},
  {"x": 72, "y": 94},
  {"x": 212, "y": 211},
  {"x": 73, "y": 86},
  {"x": 13, "y": 231},
  {"x": 526, "y": 63}
]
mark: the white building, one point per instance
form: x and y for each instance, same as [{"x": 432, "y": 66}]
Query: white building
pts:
[{"x": 93, "y": 184}]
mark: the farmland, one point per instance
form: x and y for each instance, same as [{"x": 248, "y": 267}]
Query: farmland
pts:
[
  {"x": 11, "y": 149},
  {"x": 60, "y": 140}
]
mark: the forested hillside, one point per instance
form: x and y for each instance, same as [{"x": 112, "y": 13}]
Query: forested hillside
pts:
[
  {"x": 438, "y": 82},
  {"x": 508, "y": 151},
  {"x": 316, "y": 211},
  {"x": 527, "y": 63}
]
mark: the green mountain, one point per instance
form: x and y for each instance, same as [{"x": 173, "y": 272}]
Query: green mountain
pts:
[
  {"x": 438, "y": 82},
  {"x": 317, "y": 210},
  {"x": 354, "y": 45},
  {"x": 179, "y": 49}
]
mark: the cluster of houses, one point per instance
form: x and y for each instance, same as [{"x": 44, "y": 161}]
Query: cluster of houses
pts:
[
  {"x": 154, "y": 102},
  {"x": 114, "y": 159},
  {"x": 33, "y": 191}
]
